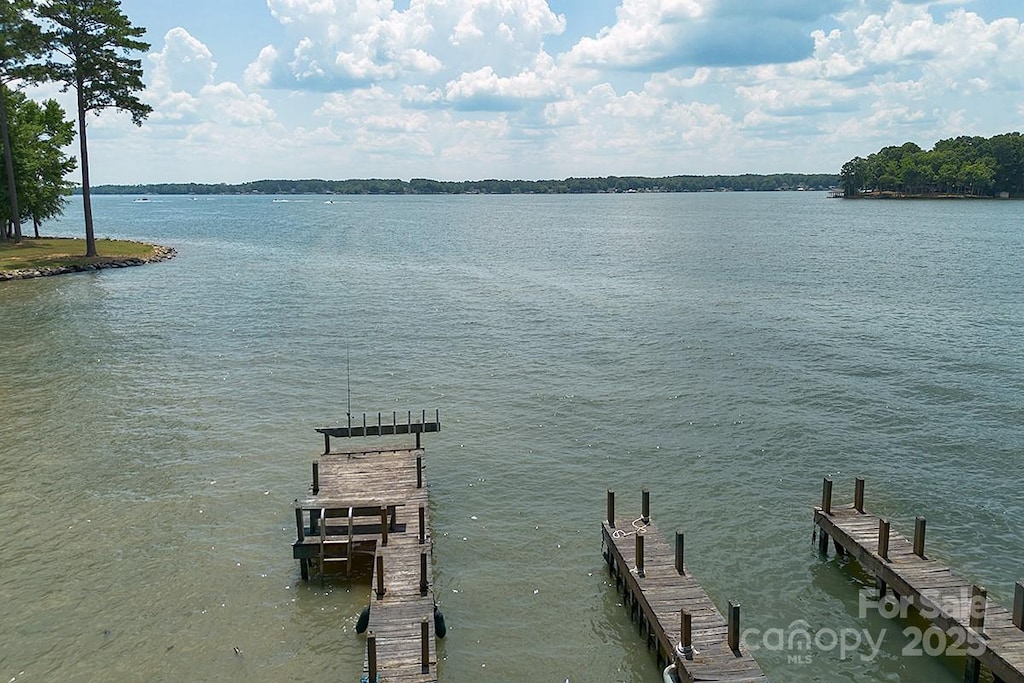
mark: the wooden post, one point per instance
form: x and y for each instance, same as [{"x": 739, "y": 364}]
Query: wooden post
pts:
[
  {"x": 734, "y": 626},
  {"x": 972, "y": 670},
  {"x": 327, "y": 442},
  {"x": 686, "y": 629},
  {"x": 611, "y": 508},
  {"x": 919, "y": 527},
  {"x": 858, "y": 495},
  {"x": 316, "y": 478},
  {"x": 299, "y": 531},
  {"x": 640, "y": 555},
  {"x": 371, "y": 656},
  {"x": 419, "y": 470},
  {"x": 304, "y": 568},
  {"x": 826, "y": 496},
  {"x": 822, "y": 541},
  {"x": 423, "y": 524},
  {"x": 680, "y": 567},
  {"x": 383, "y": 526},
  {"x": 883, "y": 539},
  {"x": 646, "y": 506},
  {"x": 978, "y": 598},
  {"x": 424, "y": 646},
  {"x": 380, "y": 577},
  {"x": 423, "y": 574},
  {"x": 1018, "y": 605}
]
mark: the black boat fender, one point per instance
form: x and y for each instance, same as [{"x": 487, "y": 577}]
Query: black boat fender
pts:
[
  {"x": 364, "y": 620},
  {"x": 439, "y": 626}
]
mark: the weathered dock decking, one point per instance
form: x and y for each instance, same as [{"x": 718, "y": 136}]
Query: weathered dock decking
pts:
[
  {"x": 368, "y": 508},
  {"x": 680, "y": 621},
  {"x": 968, "y": 623}
]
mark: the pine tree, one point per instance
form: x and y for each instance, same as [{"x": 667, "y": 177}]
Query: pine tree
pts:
[{"x": 91, "y": 41}]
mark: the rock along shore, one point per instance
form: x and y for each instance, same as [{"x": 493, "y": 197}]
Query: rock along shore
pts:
[{"x": 160, "y": 253}]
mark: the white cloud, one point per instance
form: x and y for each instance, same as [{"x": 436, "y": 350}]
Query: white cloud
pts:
[
  {"x": 337, "y": 44},
  {"x": 184, "y": 65},
  {"x": 472, "y": 88}
]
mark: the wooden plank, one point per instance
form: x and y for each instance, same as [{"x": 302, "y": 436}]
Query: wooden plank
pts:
[
  {"x": 369, "y": 480},
  {"x": 661, "y": 593},
  {"x": 941, "y": 595}
]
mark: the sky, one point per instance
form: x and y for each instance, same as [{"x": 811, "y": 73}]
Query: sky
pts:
[{"x": 547, "y": 89}]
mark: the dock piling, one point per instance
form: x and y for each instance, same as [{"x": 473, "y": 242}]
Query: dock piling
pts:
[
  {"x": 919, "y": 527},
  {"x": 316, "y": 478},
  {"x": 979, "y": 596},
  {"x": 611, "y": 508},
  {"x": 380, "y": 577},
  {"x": 424, "y": 646},
  {"x": 371, "y": 656},
  {"x": 299, "y": 530},
  {"x": 419, "y": 470},
  {"x": 423, "y": 526},
  {"x": 680, "y": 566},
  {"x": 883, "y": 539},
  {"x": 1018, "y": 605},
  {"x": 645, "y": 509},
  {"x": 640, "y": 555},
  {"x": 826, "y": 496},
  {"x": 423, "y": 574},
  {"x": 734, "y": 626},
  {"x": 858, "y": 495},
  {"x": 383, "y": 526},
  {"x": 685, "y": 634}
]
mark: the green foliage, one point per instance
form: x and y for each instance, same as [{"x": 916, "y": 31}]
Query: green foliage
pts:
[
  {"x": 92, "y": 40},
  {"x": 38, "y": 134},
  {"x": 21, "y": 43},
  {"x": 962, "y": 166}
]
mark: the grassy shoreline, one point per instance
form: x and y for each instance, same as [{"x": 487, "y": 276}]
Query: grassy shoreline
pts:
[{"x": 38, "y": 257}]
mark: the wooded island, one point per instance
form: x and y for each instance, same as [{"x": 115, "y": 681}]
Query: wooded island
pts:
[{"x": 956, "y": 167}]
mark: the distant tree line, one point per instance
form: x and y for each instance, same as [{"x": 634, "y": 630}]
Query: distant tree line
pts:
[
  {"x": 961, "y": 166},
  {"x": 738, "y": 183}
]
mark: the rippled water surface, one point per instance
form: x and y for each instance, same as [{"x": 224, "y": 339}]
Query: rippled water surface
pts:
[{"x": 725, "y": 350}]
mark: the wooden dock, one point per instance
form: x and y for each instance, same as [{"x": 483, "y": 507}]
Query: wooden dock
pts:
[
  {"x": 967, "y": 622},
  {"x": 368, "y": 512},
  {"x": 674, "y": 613}
]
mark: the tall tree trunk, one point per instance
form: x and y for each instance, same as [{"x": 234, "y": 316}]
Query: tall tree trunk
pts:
[
  {"x": 90, "y": 237},
  {"x": 12, "y": 191}
]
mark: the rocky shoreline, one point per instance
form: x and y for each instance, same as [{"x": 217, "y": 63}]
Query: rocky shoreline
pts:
[{"x": 160, "y": 253}]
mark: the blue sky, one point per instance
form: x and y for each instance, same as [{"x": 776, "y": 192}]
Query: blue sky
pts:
[{"x": 469, "y": 89}]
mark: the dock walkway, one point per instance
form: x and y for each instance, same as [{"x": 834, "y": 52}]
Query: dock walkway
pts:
[
  {"x": 368, "y": 509},
  {"x": 968, "y": 623},
  {"x": 680, "y": 621}
]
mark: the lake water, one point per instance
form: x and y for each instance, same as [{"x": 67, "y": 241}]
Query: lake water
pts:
[{"x": 725, "y": 350}]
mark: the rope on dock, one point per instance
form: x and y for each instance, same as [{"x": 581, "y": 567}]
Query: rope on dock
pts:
[{"x": 639, "y": 528}]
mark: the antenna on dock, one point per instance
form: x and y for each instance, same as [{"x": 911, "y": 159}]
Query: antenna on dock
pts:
[{"x": 348, "y": 380}]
